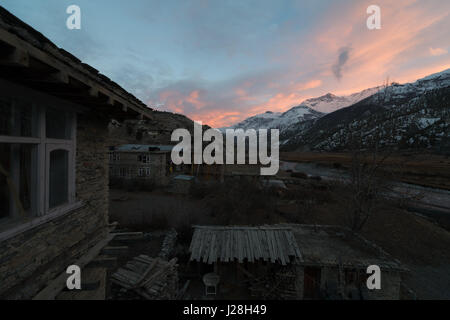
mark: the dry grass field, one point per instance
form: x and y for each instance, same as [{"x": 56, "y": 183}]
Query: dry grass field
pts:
[{"x": 428, "y": 170}]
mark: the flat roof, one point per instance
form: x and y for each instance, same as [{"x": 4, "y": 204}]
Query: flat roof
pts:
[
  {"x": 184, "y": 177},
  {"x": 336, "y": 245},
  {"x": 143, "y": 148}
]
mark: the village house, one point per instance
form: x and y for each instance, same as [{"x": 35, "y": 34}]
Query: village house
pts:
[
  {"x": 54, "y": 113},
  {"x": 292, "y": 262},
  {"x": 149, "y": 162}
]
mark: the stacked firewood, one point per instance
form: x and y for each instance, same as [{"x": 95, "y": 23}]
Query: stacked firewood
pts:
[{"x": 151, "y": 278}]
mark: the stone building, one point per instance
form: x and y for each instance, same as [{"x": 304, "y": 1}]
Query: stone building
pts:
[
  {"x": 294, "y": 262},
  {"x": 54, "y": 113},
  {"x": 334, "y": 265},
  {"x": 150, "y": 162}
]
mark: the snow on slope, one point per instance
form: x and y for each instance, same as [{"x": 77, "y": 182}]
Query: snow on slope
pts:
[
  {"x": 308, "y": 110},
  {"x": 400, "y": 91},
  {"x": 330, "y": 102},
  {"x": 277, "y": 120}
]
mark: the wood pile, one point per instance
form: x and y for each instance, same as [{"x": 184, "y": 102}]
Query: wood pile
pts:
[{"x": 151, "y": 278}]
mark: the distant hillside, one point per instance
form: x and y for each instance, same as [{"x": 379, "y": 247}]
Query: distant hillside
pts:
[{"x": 156, "y": 131}]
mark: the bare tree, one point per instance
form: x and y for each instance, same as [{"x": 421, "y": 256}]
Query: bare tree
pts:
[{"x": 366, "y": 184}]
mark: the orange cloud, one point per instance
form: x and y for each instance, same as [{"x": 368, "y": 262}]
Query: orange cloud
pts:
[{"x": 438, "y": 51}]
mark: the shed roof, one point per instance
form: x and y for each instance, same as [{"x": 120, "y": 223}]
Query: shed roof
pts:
[{"x": 219, "y": 243}]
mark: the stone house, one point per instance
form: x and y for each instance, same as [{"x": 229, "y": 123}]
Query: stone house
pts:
[
  {"x": 294, "y": 262},
  {"x": 150, "y": 162},
  {"x": 54, "y": 113},
  {"x": 334, "y": 265}
]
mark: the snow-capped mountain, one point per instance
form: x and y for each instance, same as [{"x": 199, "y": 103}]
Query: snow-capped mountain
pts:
[
  {"x": 308, "y": 110},
  {"x": 330, "y": 102},
  {"x": 412, "y": 115},
  {"x": 278, "y": 120}
]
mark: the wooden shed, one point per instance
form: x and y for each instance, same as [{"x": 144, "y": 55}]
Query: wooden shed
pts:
[{"x": 248, "y": 259}]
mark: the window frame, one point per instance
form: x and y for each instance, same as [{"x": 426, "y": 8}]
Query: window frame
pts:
[{"x": 40, "y": 166}]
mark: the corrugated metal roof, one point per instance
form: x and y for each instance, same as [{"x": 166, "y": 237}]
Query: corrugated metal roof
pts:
[
  {"x": 275, "y": 244},
  {"x": 143, "y": 148}
]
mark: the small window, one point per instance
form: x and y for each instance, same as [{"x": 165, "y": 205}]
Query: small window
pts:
[
  {"x": 16, "y": 119},
  {"x": 58, "y": 178}
]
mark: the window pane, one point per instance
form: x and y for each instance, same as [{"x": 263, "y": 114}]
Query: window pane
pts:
[
  {"x": 16, "y": 179},
  {"x": 57, "y": 124},
  {"x": 17, "y": 120},
  {"x": 59, "y": 178}
]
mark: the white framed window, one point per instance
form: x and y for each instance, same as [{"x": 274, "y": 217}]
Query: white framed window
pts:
[
  {"x": 37, "y": 158},
  {"x": 144, "y": 158},
  {"x": 113, "y": 156},
  {"x": 144, "y": 172}
]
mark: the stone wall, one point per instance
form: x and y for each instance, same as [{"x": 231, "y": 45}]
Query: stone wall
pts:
[{"x": 30, "y": 259}]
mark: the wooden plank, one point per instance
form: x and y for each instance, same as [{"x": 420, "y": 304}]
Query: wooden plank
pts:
[
  {"x": 57, "y": 285},
  {"x": 124, "y": 236},
  {"x": 255, "y": 240},
  {"x": 239, "y": 244},
  {"x": 221, "y": 248},
  {"x": 281, "y": 248},
  {"x": 118, "y": 250},
  {"x": 251, "y": 250},
  {"x": 212, "y": 249},
  {"x": 227, "y": 246},
  {"x": 272, "y": 246}
]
